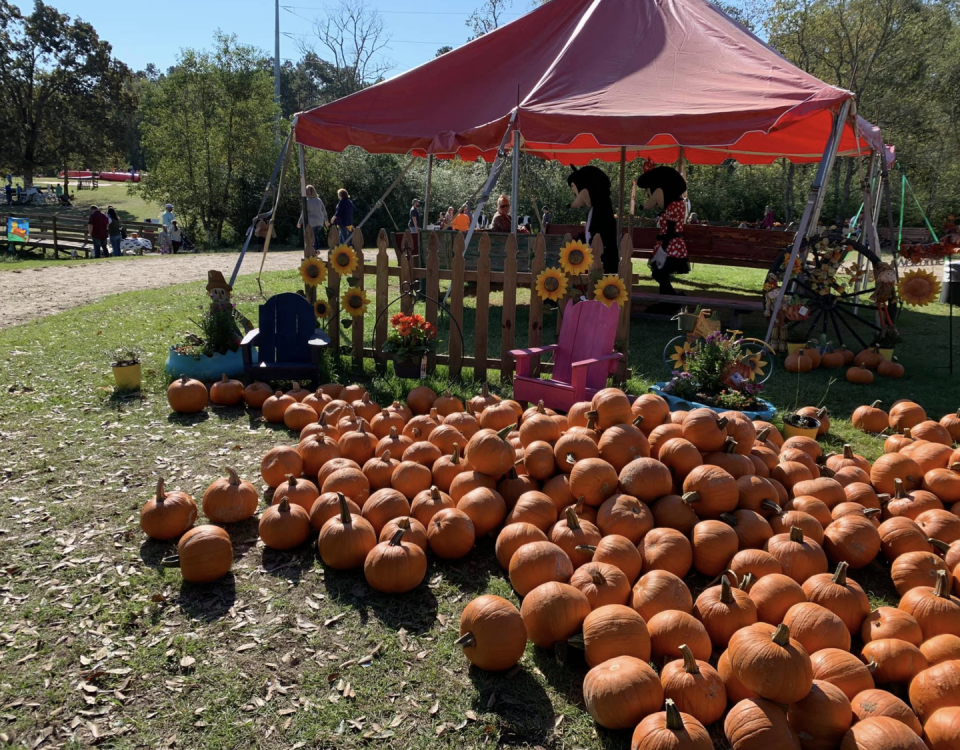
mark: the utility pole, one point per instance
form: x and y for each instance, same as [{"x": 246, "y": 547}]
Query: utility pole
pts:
[{"x": 276, "y": 66}]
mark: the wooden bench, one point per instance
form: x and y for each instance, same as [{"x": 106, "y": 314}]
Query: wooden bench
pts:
[
  {"x": 737, "y": 305},
  {"x": 64, "y": 233}
]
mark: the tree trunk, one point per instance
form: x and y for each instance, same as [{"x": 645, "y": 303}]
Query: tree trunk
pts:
[
  {"x": 847, "y": 179},
  {"x": 66, "y": 182}
]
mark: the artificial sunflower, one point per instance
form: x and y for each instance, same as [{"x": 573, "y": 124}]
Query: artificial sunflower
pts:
[
  {"x": 354, "y": 301},
  {"x": 610, "y": 290},
  {"x": 321, "y": 309},
  {"x": 313, "y": 271},
  {"x": 682, "y": 356},
  {"x": 918, "y": 288},
  {"x": 551, "y": 284},
  {"x": 343, "y": 260},
  {"x": 576, "y": 257},
  {"x": 756, "y": 363}
]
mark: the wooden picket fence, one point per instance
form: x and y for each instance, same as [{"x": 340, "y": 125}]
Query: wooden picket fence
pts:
[{"x": 364, "y": 345}]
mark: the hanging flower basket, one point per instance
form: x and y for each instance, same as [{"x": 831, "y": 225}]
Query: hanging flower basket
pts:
[{"x": 407, "y": 368}]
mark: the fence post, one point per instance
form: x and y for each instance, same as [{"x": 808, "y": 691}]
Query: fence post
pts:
[
  {"x": 433, "y": 288},
  {"x": 536, "y": 304},
  {"x": 623, "y": 326},
  {"x": 508, "y": 310},
  {"x": 455, "y": 363},
  {"x": 383, "y": 292},
  {"x": 358, "y": 280},
  {"x": 481, "y": 319},
  {"x": 56, "y": 244},
  {"x": 405, "y": 258},
  {"x": 333, "y": 290}
]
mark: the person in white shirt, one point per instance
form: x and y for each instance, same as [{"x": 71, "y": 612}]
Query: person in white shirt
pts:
[{"x": 167, "y": 217}]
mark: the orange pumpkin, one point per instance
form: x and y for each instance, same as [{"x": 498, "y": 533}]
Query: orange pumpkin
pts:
[
  {"x": 413, "y": 531},
  {"x": 934, "y": 609},
  {"x": 204, "y": 554},
  {"x": 421, "y": 399},
  {"x": 843, "y": 669},
  {"x": 799, "y": 556},
  {"x": 711, "y": 491},
  {"x": 601, "y": 583},
  {"x": 894, "y": 660},
  {"x": 621, "y": 444},
  {"x": 395, "y": 566},
  {"x": 671, "y": 629},
  {"x": 890, "y": 622},
  {"x": 327, "y": 506},
  {"x": 714, "y": 543},
  {"x": 695, "y": 687},
  {"x": 659, "y": 591},
  {"x": 278, "y": 462},
  {"x": 891, "y": 467},
  {"x": 935, "y": 688},
  {"x": 384, "y": 505},
  {"x": 724, "y": 610},
  {"x": 256, "y": 393},
  {"x": 822, "y": 717},
  {"x": 536, "y": 563},
  {"x": 816, "y": 627},
  {"x": 667, "y": 549},
  {"x": 226, "y": 392},
  {"x": 489, "y": 452},
  {"x": 316, "y": 451},
  {"x": 346, "y": 539},
  {"x": 904, "y": 414},
  {"x": 670, "y": 729},
  {"x": 620, "y": 692},
  {"x": 379, "y": 470},
  {"x": 187, "y": 396},
  {"x": 485, "y": 507},
  {"x": 411, "y": 478},
  {"x": 167, "y": 515},
  {"x": 492, "y": 633},
  {"x": 875, "y": 703},
  {"x": 351, "y": 482},
  {"x": 535, "y": 508},
  {"x": 619, "y": 552},
  {"x": 284, "y": 525},
  {"x": 450, "y": 534},
  {"x": 300, "y": 492},
  {"x": 870, "y": 418},
  {"x": 772, "y": 665},
  {"x": 614, "y": 630},
  {"x": 553, "y": 612},
  {"x": 276, "y": 406},
  {"x": 705, "y": 429}
]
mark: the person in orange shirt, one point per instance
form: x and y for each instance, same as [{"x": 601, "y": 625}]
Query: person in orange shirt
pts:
[{"x": 461, "y": 221}]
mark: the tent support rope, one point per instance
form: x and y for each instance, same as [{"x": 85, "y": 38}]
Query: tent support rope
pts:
[{"x": 389, "y": 190}]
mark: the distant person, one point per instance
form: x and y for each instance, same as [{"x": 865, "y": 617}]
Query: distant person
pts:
[
  {"x": 115, "y": 231},
  {"x": 461, "y": 222},
  {"x": 547, "y": 217},
  {"x": 767, "y": 222},
  {"x": 502, "y": 221},
  {"x": 165, "y": 241},
  {"x": 316, "y": 217},
  {"x": 176, "y": 237},
  {"x": 99, "y": 234},
  {"x": 8, "y": 189},
  {"x": 262, "y": 229},
  {"x": 167, "y": 217},
  {"x": 414, "y": 223},
  {"x": 343, "y": 216}
]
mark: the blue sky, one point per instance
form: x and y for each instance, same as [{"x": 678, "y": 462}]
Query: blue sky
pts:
[{"x": 143, "y": 31}]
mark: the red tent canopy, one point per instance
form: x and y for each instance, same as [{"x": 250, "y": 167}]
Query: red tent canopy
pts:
[{"x": 588, "y": 77}]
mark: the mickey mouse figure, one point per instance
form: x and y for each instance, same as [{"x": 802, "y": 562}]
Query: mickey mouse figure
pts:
[
  {"x": 665, "y": 187},
  {"x": 591, "y": 188}
]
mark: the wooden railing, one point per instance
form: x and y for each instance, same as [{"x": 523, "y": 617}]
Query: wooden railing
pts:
[
  {"x": 66, "y": 234},
  {"x": 368, "y": 345}
]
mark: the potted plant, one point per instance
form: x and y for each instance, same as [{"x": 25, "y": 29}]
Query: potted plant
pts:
[
  {"x": 886, "y": 340},
  {"x": 797, "y": 425},
  {"x": 409, "y": 343},
  {"x": 126, "y": 369}
]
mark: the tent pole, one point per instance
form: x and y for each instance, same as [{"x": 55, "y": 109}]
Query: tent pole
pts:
[
  {"x": 515, "y": 182},
  {"x": 426, "y": 198},
  {"x": 885, "y": 177},
  {"x": 308, "y": 251},
  {"x": 389, "y": 190},
  {"x": 276, "y": 204},
  {"x": 623, "y": 177},
  {"x": 812, "y": 210}
]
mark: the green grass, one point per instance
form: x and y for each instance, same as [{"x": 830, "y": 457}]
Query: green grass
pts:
[
  {"x": 129, "y": 205},
  {"x": 93, "y": 631}
]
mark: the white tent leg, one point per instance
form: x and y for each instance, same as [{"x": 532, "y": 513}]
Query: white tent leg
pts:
[
  {"x": 425, "y": 219},
  {"x": 515, "y": 182},
  {"x": 814, "y": 205}
]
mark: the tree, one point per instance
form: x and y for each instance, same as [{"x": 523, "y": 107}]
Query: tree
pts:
[
  {"x": 354, "y": 36},
  {"x": 64, "y": 96},
  {"x": 487, "y": 17},
  {"x": 444, "y": 50},
  {"x": 208, "y": 125}
]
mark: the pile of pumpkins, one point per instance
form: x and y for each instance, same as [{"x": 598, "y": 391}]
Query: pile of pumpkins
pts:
[{"x": 860, "y": 367}]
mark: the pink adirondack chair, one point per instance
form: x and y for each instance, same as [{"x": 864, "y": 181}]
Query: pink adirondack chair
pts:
[{"x": 582, "y": 360}]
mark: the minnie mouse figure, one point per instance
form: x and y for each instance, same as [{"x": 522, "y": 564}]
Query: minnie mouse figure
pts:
[{"x": 665, "y": 187}]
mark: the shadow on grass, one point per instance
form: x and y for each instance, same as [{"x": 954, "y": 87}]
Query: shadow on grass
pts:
[
  {"x": 523, "y": 706},
  {"x": 415, "y": 611},
  {"x": 208, "y": 601},
  {"x": 187, "y": 420},
  {"x": 290, "y": 565},
  {"x": 152, "y": 552}
]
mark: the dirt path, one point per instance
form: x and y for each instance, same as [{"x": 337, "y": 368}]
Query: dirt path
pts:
[{"x": 26, "y": 295}]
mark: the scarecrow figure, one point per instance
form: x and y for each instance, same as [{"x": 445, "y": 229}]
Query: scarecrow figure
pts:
[
  {"x": 885, "y": 278},
  {"x": 591, "y": 188},
  {"x": 219, "y": 292}
]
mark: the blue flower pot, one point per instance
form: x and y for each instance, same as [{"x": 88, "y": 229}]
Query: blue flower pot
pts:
[
  {"x": 679, "y": 404},
  {"x": 205, "y": 368}
]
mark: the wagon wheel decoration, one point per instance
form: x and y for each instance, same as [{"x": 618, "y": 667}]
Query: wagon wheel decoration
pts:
[{"x": 824, "y": 297}]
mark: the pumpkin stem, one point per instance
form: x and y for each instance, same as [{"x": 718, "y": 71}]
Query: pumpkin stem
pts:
[
  {"x": 467, "y": 640},
  {"x": 572, "y": 521},
  {"x": 344, "y": 510},
  {"x": 540, "y": 409},
  {"x": 796, "y": 534},
  {"x": 638, "y": 420},
  {"x": 397, "y": 536},
  {"x": 571, "y": 459},
  {"x": 455, "y": 457},
  {"x": 771, "y": 506},
  {"x": 161, "y": 490},
  {"x": 821, "y": 412},
  {"x": 578, "y": 508},
  {"x": 360, "y": 429},
  {"x": 385, "y": 457},
  {"x": 599, "y": 579},
  {"x": 781, "y": 636},
  {"x": 283, "y": 506},
  {"x": 722, "y": 423},
  {"x": 941, "y": 546},
  {"x": 747, "y": 583},
  {"x": 674, "y": 720},
  {"x": 872, "y": 665},
  {"x": 729, "y": 518},
  {"x": 393, "y": 434},
  {"x": 485, "y": 390},
  {"x": 942, "y": 589},
  {"x": 292, "y": 481},
  {"x": 762, "y": 435},
  {"x": 729, "y": 445},
  {"x": 434, "y": 492},
  {"x": 183, "y": 380},
  {"x": 689, "y": 660},
  {"x": 173, "y": 561},
  {"x": 592, "y": 417},
  {"x": 900, "y": 492},
  {"x": 586, "y": 548},
  {"x": 871, "y": 512},
  {"x": 847, "y": 450},
  {"x": 826, "y": 471},
  {"x": 223, "y": 377},
  {"x": 415, "y": 431},
  {"x": 840, "y": 576},
  {"x": 876, "y": 403},
  {"x": 502, "y": 434},
  {"x": 296, "y": 386},
  {"x": 907, "y": 433},
  {"x": 726, "y": 595},
  {"x": 691, "y": 497},
  {"x": 884, "y": 498},
  {"x": 955, "y": 467},
  {"x": 404, "y": 523},
  {"x": 323, "y": 418}
]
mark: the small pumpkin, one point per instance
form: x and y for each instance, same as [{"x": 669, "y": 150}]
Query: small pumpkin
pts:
[
  {"x": 822, "y": 717},
  {"x": 535, "y": 508},
  {"x": 841, "y": 595},
  {"x": 724, "y": 610},
  {"x": 410, "y": 478},
  {"x": 536, "y": 563},
  {"x": 226, "y": 391},
  {"x": 643, "y": 478},
  {"x": 316, "y": 451},
  {"x": 622, "y": 443},
  {"x": 816, "y": 627},
  {"x": 167, "y": 515},
  {"x": 852, "y": 540},
  {"x": 942, "y": 730},
  {"x": 614, "y": 630},
  {"x": 695, "y": 687},
  {"x": 297, "y": 416},
  {"x": 890, "y": 467},
  {"x": 346, "y": 539},
  {"x": 798, "y": 362},
  {"x": 755, "y": 562},
  {"x": 427, "y": 502},
  {"x": 799, "y": 556},
  {"x": 869, "y": 357},
  {"x": 301, "y": 492},
  {"x": 895, "y": 660},
  {"x": 890, "y": 369},
  {"x": 906, "y": 414},
  {"x": 601, "y": 583},
  {"x": 492, "y": 633},
  {"x": 705, "y": 429},
  {"x": 379, "y": 470},
  {"x": 624, "y": 515},
  {"x": 414, "y": 532},
  {"x": 671, "y": 629},
  {"x": 571, "y": 532},
  {"x": 595, "y": 480},
  {"x": 552, "y": 612},
  {"x": 511, "y": 538},
  {"x": 843, "y": 669},
  {"x": 489, "y": 452},
  {"x": 359, "y": 445},
  {"x": 672, "y": 512},
  {"x": 670, "y": 730},
  {"x": 612, "y": 407},
  {"x": 450, "y": 534},
  {"x": 327, "y": 506},
  {"x": 284, "y": 525},
  {"x": 881, "y": 733},
  {"x": 940, "y": 648},
  {"x": 421, "y": 399},
  {"x": 383, "y": 506},
  {"x": 395, "y": 567},
  {"x": 934, "y": 688},
  {"x": 890, "y": 622},
  {"x": 899, "y": 535},
  {"x": 659, "y": 591},
  {"x": 485, "y": 507},
  {"x": 755, "y": 723},
  {"x": 276, "y": 406},
  {"x": 667, "y": 549},
  {"x": 256, "y": 393},
  {"x": 870, "y": 418},
  {"x": 711, "y": 491},
  {"x": 621, "y": 691},
  {"x": 204, "y": 554},
  {"x": 714, "y": 543},
  {"x": 481, "y": 401},
  {"x": 187, "y": 396},
  {"x": 935, "y": 609},
  {"x": 874, "y": 703},
  {"x": 279, "y": 462},
  {"x": 350, "y": 481},
  {"x": 772, "y": 665},
  {"x": 619, "y": 552}
]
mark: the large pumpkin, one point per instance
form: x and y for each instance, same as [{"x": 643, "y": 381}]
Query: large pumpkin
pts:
[
  {"x": 815, "y": 627},
  {"x": 167, "y": 515},
  {"x": 492, "y": 633},
  {"x": 346, "y": 539},
  {"x": 891, "y": 467},
  {"x": 231, "y": 499},
  {"x": 723, "y": 611},
  {"x": 913, "y": 569},
  {"x": 670, "y": 730},
  {"x": 942, "y": 730},
  {"x": 659, "y": 591},
  {"x": 571, "y": 532},
  {"x": 614, "y": 630},
  {"x": 553, "y": 612},
  {"x": 284, "y": 525},
  {"x": 774, "y": 666},
  {"x": 226, "y": 392},
  {"x": 535, "y": 508},
  {"x": 187, "y": 396},
  {"x": 395, "y": 567},
  {"x": 278, "y": 463},
  {"x": 843, "y": 669},
  {"x": 935, "y": 688},
  {"x": 205, "y": 554},
  {"x": 621, "y": 691},
  {"x": 450, "y": 534},
  {"x": 881, "y": 733},
  {"x": 695, "y": 687},
  {"x": 645, "y": 479},
  {"x": 621, "y": 444},
  {"x": 758, "y": 724},
  {"x": 276, "y": 406},
  {"x": 485, "y": 507}
]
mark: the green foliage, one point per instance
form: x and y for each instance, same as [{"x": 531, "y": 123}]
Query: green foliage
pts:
[
  {"x": 219, "y": 333},
  {"x": 208, "y": 130},
  {"x": 411, "y": 337}
]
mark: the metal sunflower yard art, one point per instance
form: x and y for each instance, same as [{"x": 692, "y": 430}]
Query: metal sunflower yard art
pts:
[
  {"x": 682, "y": 356},
  {"x": 551, "y": 284},
  {"x": 321, "y": 309},
  {"x": 354, "y": 301},
  {"x": 313, "y": 271},
  {"x": 918, "y": 288},
  {"x": 343, "y": 260},
  {"x": 610, "y": 290},
  {"x": 576, "y": 257}
]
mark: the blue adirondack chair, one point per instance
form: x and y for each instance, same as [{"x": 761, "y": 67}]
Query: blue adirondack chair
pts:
[
  {"x": 583, "y": 358},
  {"x": 288, "y": 342}
]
